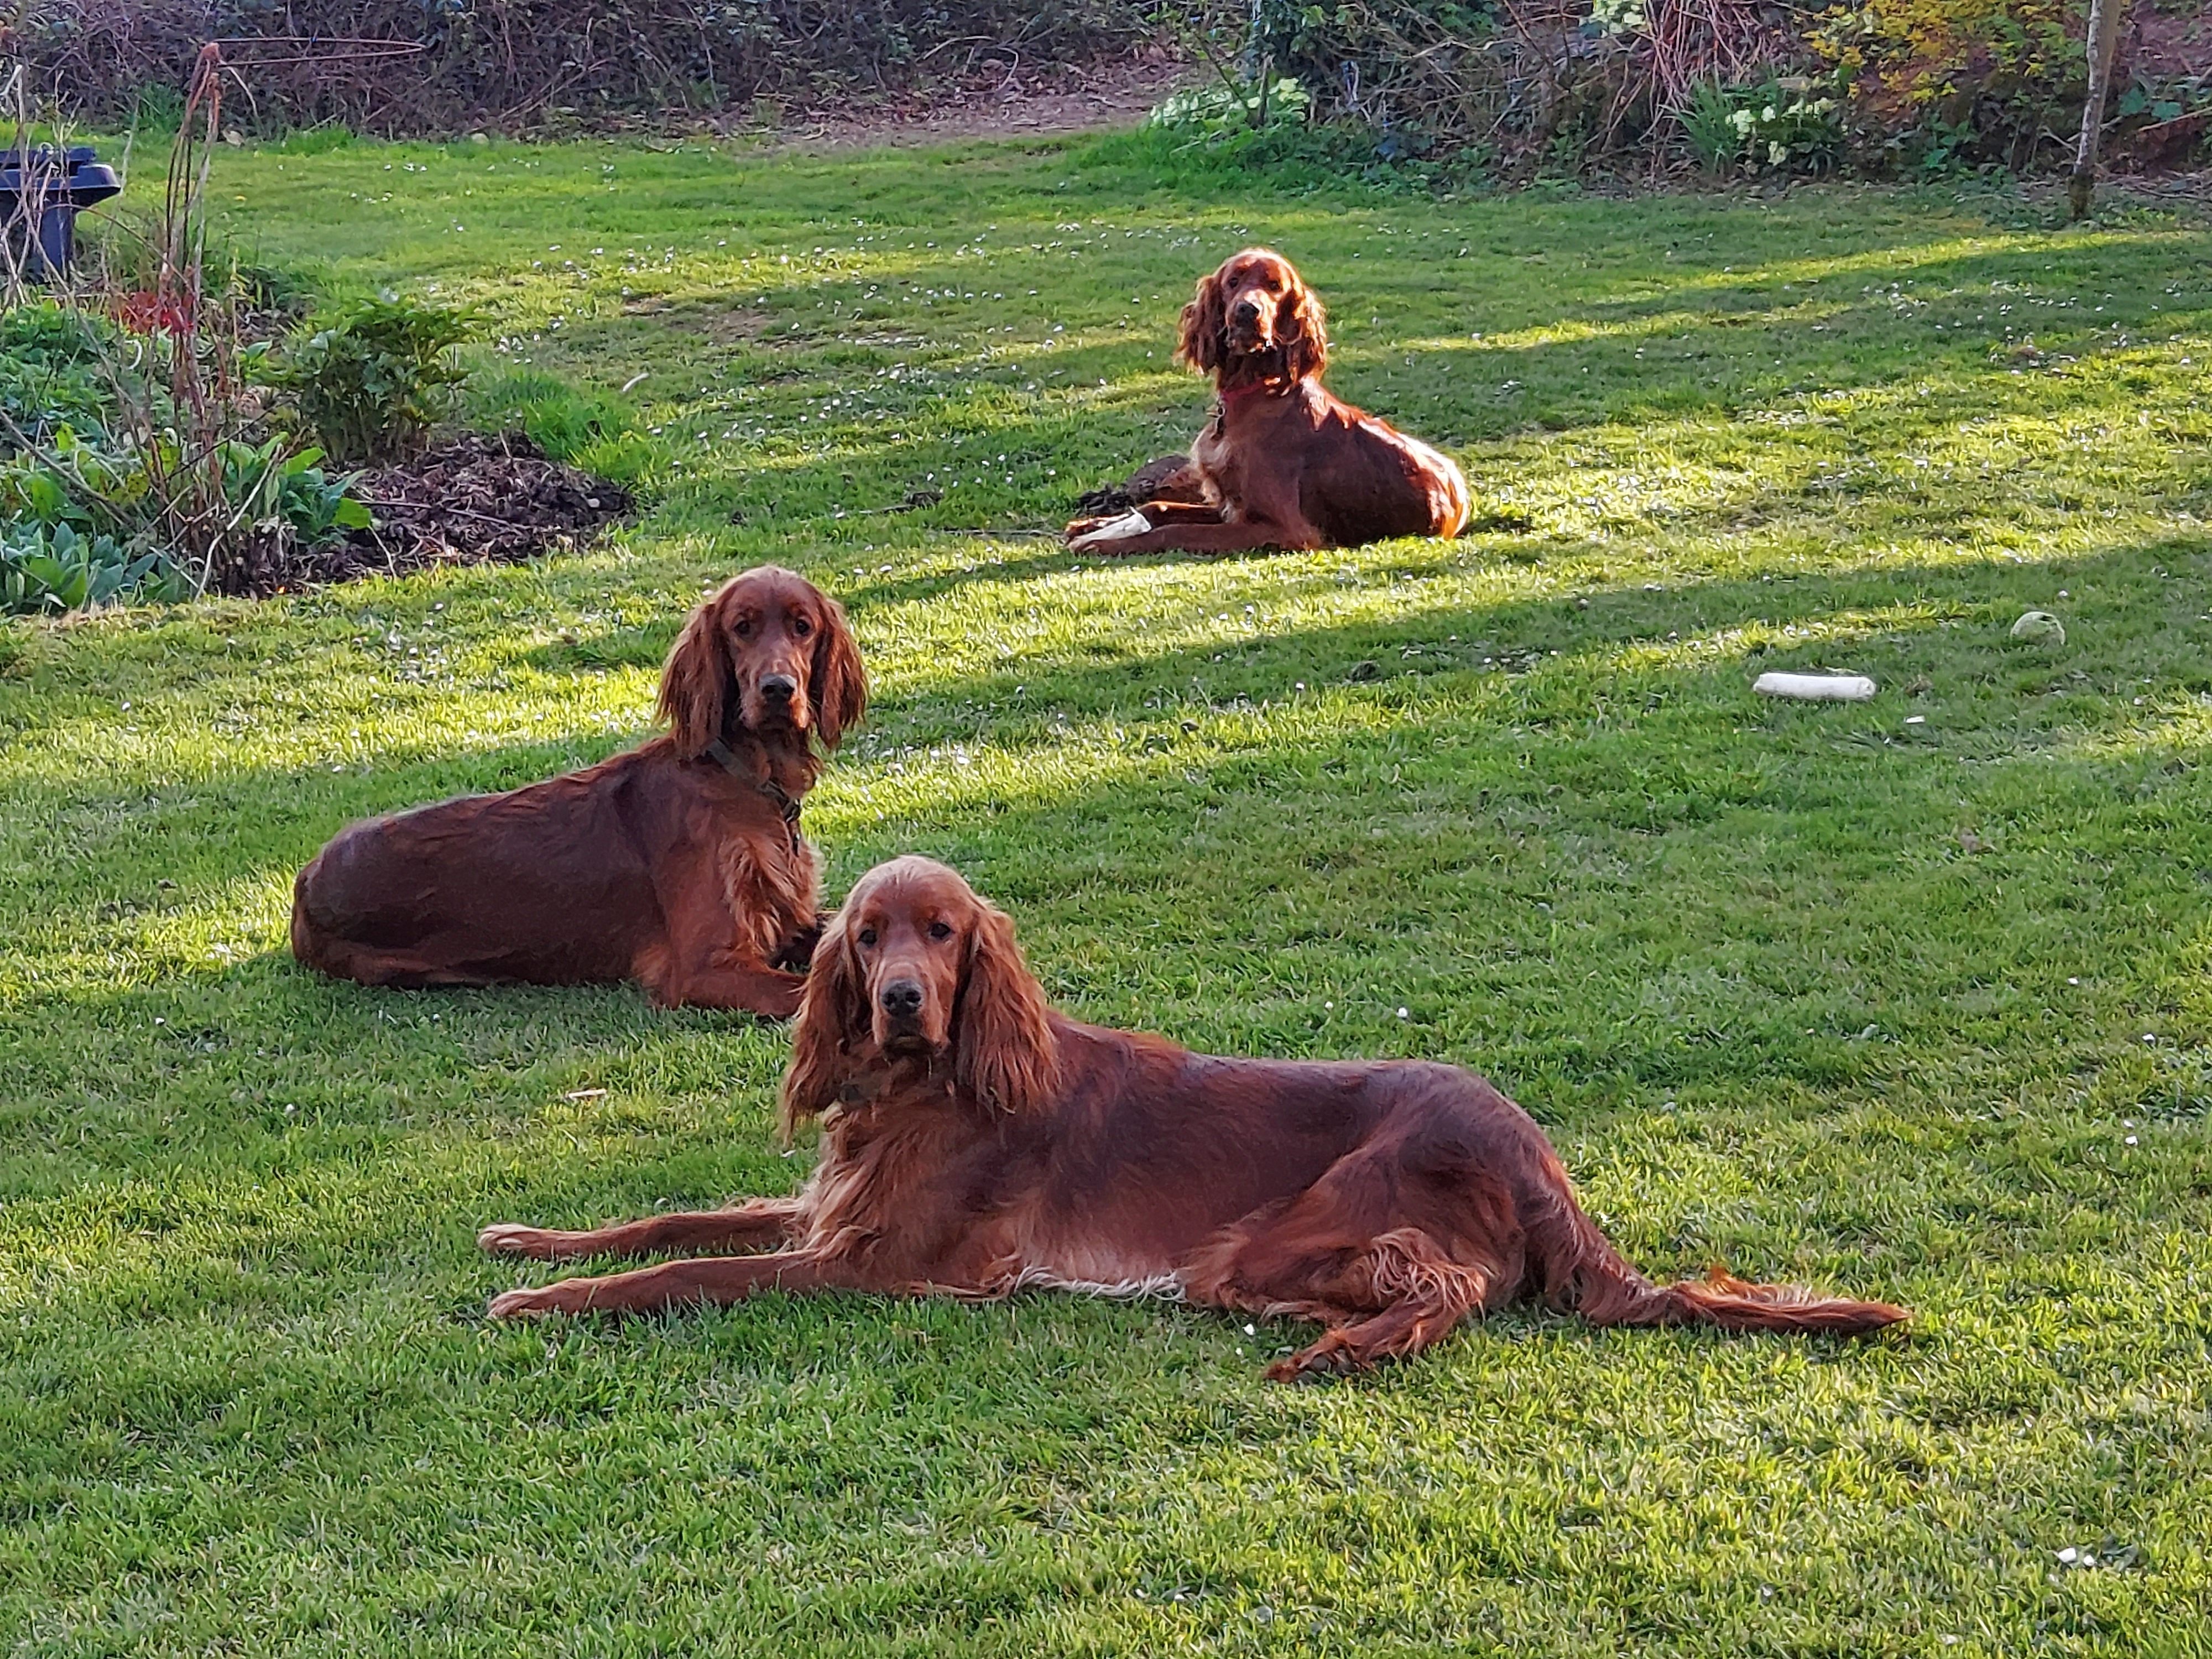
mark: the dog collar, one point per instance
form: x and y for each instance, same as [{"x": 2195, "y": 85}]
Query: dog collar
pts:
[{"x": 786, "y": 802}]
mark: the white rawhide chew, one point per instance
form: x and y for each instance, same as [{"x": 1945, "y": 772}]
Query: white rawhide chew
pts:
[
  {"x": 1132, "y": 523},
  {"x": 1815, "y": 687}
]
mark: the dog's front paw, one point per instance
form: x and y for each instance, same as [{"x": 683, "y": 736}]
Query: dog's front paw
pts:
[
  {"x": 518, "y": 1304},
  {"x": 570, "y": 1295},
  {"x": 1086, "y": 533},
  {"x": 511, "y": 1239}
]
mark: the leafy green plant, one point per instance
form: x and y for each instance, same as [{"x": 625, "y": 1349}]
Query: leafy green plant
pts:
[
  {"x": 263, "y": 499},
  {"x": 371, "y": 381},
  {"x": 271, "y": 500},
  {"x": 1709, "y": 123},
  {"x": 1777, "y": 125},
  {"x": 1220, "y": 108},
  {"x": 1618, "y": 18},
  {"x": 50, "y": 371},
  {"x": 1932, "y": 148},
  {"x": 58, "y": 566},
  {"x": 69, "y": 479},
  {"x": 97, "y": 476},
  {"x": 293, "y": 490}
]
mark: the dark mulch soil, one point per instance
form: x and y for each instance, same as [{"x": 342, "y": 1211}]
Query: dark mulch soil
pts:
[{"x": 477, "y": 500}]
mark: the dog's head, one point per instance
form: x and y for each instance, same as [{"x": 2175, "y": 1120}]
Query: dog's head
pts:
[
  {"x": 915, "y": 967},
  {"x": 769, "y": 652},
  {"x": 1254, "y": 322}
]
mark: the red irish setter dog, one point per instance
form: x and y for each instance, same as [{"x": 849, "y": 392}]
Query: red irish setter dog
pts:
[
  {"x": 975, "y": 1141},
  {"x": 678, "y": 864},
  {"x": 1283, "y": 463}
]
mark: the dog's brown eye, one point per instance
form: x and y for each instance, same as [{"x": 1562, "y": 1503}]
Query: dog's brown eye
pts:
[
  {"x": 867, "y": 936},
  {"x": 801, "y": 627},
  {"x": 937, "y": 930},
  {"x": 744, "y": 630}
]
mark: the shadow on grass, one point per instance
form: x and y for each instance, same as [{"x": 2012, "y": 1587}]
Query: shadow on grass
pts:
[
  {"x": 1598, "y": 620},
  {"x": 1562, "y": 656},
  {"x": 1463, "y": 840}
]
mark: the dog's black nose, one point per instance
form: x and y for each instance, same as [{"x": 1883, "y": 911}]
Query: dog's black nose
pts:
[
  {"x": 902, "y": 997},
  {"x": 779, "y": 687},
  {"x": 1248, "y": 311}
]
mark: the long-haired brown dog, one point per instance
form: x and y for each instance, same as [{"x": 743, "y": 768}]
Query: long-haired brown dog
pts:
[
  {"x": 1283, "y": 463},
  {"x": 975, "y": 1141},
  {"x": 678, "y": 864}
]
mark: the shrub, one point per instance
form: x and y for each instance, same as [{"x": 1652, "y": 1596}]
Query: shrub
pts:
[
  {"x": 371, "y": 381},
  {"x": 1996, "y": 80},
  {"x": 1554, "y": 85},
  {"x": 1397, "y": 66},
  {"x": 473, "y": 62},
  {"x": 1545, "y": 85}
]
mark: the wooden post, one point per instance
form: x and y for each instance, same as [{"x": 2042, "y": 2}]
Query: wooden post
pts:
[{"x": 2104, "y": 37}]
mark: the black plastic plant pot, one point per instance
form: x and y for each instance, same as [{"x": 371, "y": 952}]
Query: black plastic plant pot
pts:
[{"x": 41, "y": 193}]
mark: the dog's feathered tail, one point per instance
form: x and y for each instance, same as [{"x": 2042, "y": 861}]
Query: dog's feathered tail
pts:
[{"x": 1579, "y": 1270}]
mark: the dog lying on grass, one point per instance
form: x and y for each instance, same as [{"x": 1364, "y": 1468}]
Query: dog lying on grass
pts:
[
  {"x": 975, "y": 1141},
  {"x": 678, "y": 864},
  {"x": 1283, "y": 463}
]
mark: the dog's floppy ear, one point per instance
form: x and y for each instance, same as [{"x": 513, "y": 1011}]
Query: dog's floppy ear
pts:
[
  {"x": 695, "y": 685},
  {"x": 838, "y": 687},
  {"x": 833, "y": 1017},
  {"x": 1205, "y": 326},
  {"x": 1302, "y": 330},
  {"x": 1004, "y": 1051}
]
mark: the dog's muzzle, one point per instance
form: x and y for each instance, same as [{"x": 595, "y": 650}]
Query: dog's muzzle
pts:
[
  {"x": 900, "y": 1002},
  {"x": 1248, "y": 329}
]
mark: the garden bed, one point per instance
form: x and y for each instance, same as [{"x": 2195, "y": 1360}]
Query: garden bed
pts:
[{"x": 476, "y": 499}]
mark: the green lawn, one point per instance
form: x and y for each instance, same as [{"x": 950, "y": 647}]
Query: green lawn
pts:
[{"x": 1907, "y": 998}]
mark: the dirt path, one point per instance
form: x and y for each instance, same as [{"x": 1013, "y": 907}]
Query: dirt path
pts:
[{"x": 1046, "y": 100}]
